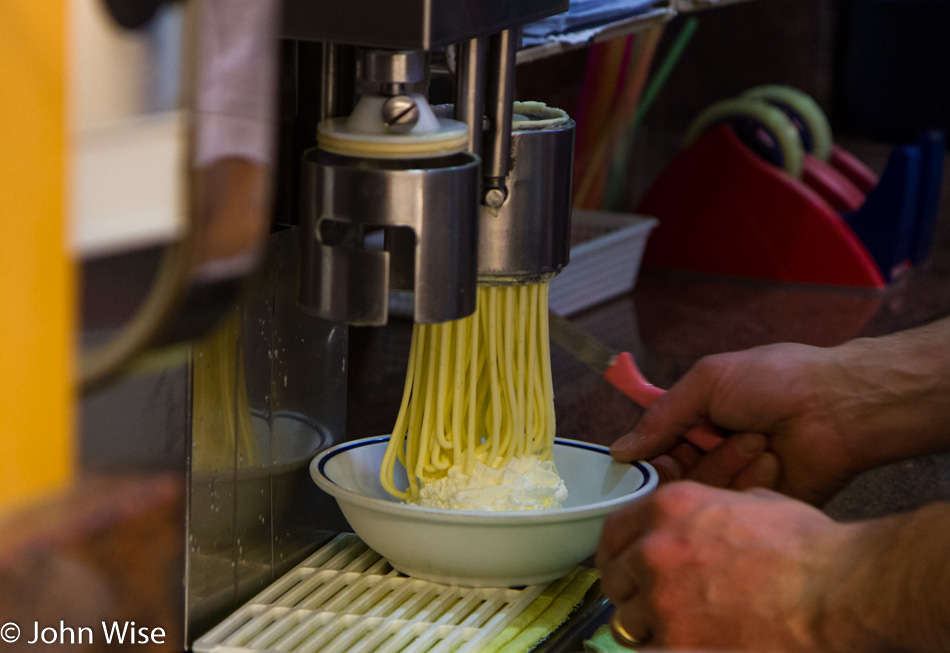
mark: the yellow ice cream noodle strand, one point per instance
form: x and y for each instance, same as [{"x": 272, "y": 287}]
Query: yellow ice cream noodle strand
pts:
[
  {"x": 223, "y": 432},
  {"x": 474, "y": 352},
  {"x": 547, "y": 401},
  {"x": 476, "y": 389}
]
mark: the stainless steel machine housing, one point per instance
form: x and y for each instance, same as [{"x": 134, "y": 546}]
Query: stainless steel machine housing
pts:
[{"x": 292, "y": 353}]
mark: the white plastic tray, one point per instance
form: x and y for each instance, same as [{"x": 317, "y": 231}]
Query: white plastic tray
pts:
[
  {"x": 606, "y": 251},
  {"x": 346, "y": 598}
]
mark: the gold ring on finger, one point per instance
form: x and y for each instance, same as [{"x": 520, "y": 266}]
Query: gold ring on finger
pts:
[{"x": 622, "y": 635}]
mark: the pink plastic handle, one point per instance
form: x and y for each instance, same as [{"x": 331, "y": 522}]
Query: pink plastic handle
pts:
[{"x": 624, "y": 375}]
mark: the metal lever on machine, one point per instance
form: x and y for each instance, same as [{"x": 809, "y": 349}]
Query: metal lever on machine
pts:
[
  {"x": 503, "y": 49},
  {"x": 471, "y": 62}
]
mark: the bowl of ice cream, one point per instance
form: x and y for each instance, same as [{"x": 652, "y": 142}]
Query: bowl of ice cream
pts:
[{"x": 482, "y": 548}]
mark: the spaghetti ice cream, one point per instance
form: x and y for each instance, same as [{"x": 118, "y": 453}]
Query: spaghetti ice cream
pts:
[
  {"x": 475, "y": 429},
  {"x": 525, "y": 483}
]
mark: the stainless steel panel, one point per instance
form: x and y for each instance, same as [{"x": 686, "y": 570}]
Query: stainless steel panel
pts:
[
  {"x": 389, "y": 67},
  {"x": 435, "y": 198},
  {"x": 267, "y": 394},
  {"x": 530, "y": 235},
  {"x": 408, "y": 24},
  {"x": 350, "y": 283}
]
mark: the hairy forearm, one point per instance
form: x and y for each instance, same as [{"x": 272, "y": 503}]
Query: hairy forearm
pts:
[
  {"x": 891, "y": 586},
  {"x": 893, "y": 392}
]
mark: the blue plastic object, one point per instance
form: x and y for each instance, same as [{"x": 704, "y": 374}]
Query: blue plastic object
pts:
[
  {"x": 584, "y": 14},
  {"x": 896, "y": 222},
  {"x": 932, "y": 147},
  {"x": 886, "y": 223}
]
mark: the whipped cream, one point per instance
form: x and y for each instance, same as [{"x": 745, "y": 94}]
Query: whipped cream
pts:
[{"x": 526, "y": 483}]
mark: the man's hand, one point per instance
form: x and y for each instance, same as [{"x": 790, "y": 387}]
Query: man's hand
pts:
[
  {"x": 804, "y": 420},
  {"x": 778, "y": 402},
  {"x": 692, "y": 566},
  {"x": 696, "y": 567}
]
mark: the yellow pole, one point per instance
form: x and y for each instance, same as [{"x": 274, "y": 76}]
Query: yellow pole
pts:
[{"x": 36, "y": 273}]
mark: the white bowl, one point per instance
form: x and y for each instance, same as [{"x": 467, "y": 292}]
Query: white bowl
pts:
[{"x": 482, "y": 549}]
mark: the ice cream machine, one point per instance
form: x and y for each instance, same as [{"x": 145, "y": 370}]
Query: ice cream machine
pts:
[
  {"x": 378, "y": 181},
  {"x": 384, "y": 186}
]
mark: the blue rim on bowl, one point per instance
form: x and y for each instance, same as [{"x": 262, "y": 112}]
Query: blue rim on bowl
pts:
[{"x": 320, "y": 477}]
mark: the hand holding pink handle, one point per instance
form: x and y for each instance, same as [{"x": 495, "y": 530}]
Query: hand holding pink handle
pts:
[{"x": 624, "y": 375}]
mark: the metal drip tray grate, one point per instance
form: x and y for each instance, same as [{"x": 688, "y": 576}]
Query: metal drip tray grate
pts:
[{"x": 345, "y": 598}]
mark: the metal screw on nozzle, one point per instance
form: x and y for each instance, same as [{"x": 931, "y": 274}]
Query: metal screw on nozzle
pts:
[
  {"x": 400, "y": 113},
  {"x": 495, "y": 197}
]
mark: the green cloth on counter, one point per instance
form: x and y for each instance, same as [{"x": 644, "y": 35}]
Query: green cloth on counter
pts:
[
  {"x": 603, "y": 642},
  {"x": 552, "y": 608}
]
